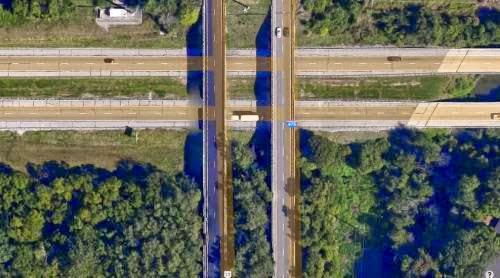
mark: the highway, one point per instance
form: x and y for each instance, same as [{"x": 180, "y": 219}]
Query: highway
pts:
[
  {"x": 309, "y": 114},
  {"x": 283, "y": 179},
  {"x": 308, "y": 62},
  {"x": 217, "y": 164}
]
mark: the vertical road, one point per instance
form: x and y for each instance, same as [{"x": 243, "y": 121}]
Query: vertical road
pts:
[
  {"x": 216, "y": 154},
  {"x": 283, "y": 141}
]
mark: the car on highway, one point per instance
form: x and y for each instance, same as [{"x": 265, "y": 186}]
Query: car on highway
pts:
[
  {"x": 278, "y": 32},
  {"x": 394, "y": 59},
  {"x": 286, "y": 31},
  {"x": 109, "y": 60}
]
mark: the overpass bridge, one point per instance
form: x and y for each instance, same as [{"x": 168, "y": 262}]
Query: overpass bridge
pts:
[
  {"x": 308, "y": 62},
  {"x": 324, "y": 115}
]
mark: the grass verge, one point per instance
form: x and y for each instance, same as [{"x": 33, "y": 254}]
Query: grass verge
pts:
[
  {"x": 242, "y": 28},
  {"x": 241, "y": 88},
  {"x": 159, "y": 87},
  {"x": 80, "y": 30},
  {"x": 162, "y": 148},
  {"x": 380, "y": 88}
]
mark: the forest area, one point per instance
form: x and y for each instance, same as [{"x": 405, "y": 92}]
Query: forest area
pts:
[
  {"x": 252, "y": 208},
  {"x": 83, "y": 221},
  {"x": 412, "y": 204},
  {"x": 447, "y": 23}
]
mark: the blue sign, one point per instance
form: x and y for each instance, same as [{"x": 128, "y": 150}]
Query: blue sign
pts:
[{"x": 291, "y": 124}]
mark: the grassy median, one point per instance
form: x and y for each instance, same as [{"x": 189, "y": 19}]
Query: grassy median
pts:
[
  {"x": 162, "y": 148},
  {"x": 387, "y": 88},
  {"x": 140, "y": 87}
]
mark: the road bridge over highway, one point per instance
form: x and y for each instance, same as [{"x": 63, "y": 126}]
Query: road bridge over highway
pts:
[
  {"x": 308, "y": 62},
  {"x": 327, "y": 115}
]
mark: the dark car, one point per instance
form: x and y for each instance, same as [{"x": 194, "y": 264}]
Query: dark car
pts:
[
  {"x": 109, "y": 60},
  {"x": 394, "y": 59},
  {"x": 286, "y": 31}
]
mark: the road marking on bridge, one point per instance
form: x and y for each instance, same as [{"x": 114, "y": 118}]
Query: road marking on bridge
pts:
[
  {"x": 312, "y": 63},
  {"x": 83, "y": 113},
  {"x": 63, "y": 63},
  {"x": 89, "y": 63},
  {"x": 107, "y": 113},
  {"x": 40, "y": 63},
  {"x": 8, "y": 113},
  {"x": 132, "y": 113},
  {"x": 164, "y": 63},
  {"x": 139, "y": 63}
]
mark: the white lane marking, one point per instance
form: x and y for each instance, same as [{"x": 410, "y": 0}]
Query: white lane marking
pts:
[
  {"x": 312, "y": 63},
  {"x": 15, "y": 63},
  {"x": 63, "y": 63},
  {"x": 132, "y": 113},
  {"x": 306, "y": 113},
  {"x": 362, "y": 63},
  {"x": 283, "y": 251},
  {"x": 107, "y": 113},
  {"x": 32, "y": 113},
  {"x": 157, "y": 113},
  {"x": 380, "y": 113},
  {"x": 40, "y": 63},
  {"x": 8, "y": 113},
  {"x": 164, "y": 63},
  {"x": 387, "y": 63},
  {"x": 182, "y": 113},
  {"x": 411, "y": 63},
  {"x": 57, "y": 113},
  {"x": 139, "y": 63},
  {"x": 437, "y": 63},
  {"x": 337, "y": 63},
  {"x": 355, "y": 113},
  {"x": 83, "y": 113},
  {"x": 238, "y": 63},
  {"x": 89, "y": 63},
  {"x": 487, "y": 63}
]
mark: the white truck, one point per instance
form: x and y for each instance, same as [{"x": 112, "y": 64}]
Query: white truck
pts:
[{"x": 245, "y": 116}]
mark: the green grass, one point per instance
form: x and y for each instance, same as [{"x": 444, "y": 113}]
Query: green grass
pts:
[
  {"x": 380, "y": 88},
  {"x": 240, "y": 88},
  {"x": 162, "y": 148},
  {"x": 90, "y": 88},
  {"x": 80, "y": 30},
  {"x": 242, "y": 28}
]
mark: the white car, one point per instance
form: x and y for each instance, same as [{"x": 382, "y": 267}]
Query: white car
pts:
[{"x": 278, "y": 32}]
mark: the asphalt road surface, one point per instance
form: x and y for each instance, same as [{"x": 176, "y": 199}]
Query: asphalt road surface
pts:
[
  {"x": 283, "y": 144},
  {"x": 432, "y": 112},
  {"x": 347, "y": 62}
]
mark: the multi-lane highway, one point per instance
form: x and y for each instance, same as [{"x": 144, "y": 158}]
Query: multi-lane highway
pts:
[
  {"x": 308, "y": 62},
  {"x": 217, "y": 166},
  {"x": 307, "y": 113},
  {"x": 283, "y": 182}
]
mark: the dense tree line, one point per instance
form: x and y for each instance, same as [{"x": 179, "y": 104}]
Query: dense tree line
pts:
[
  {"x": 62, "y": 221},
  {"x": 408, "y": 24},
  {"x": 422, "y": 199},
  {"x": 167, "y": 13},
  {"x": 252, "y": 202}
]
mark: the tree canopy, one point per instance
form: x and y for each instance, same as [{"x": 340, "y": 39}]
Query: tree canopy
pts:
[
  {"x": 89, "y": 222},
  {"x": 420, "y": 200}
]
